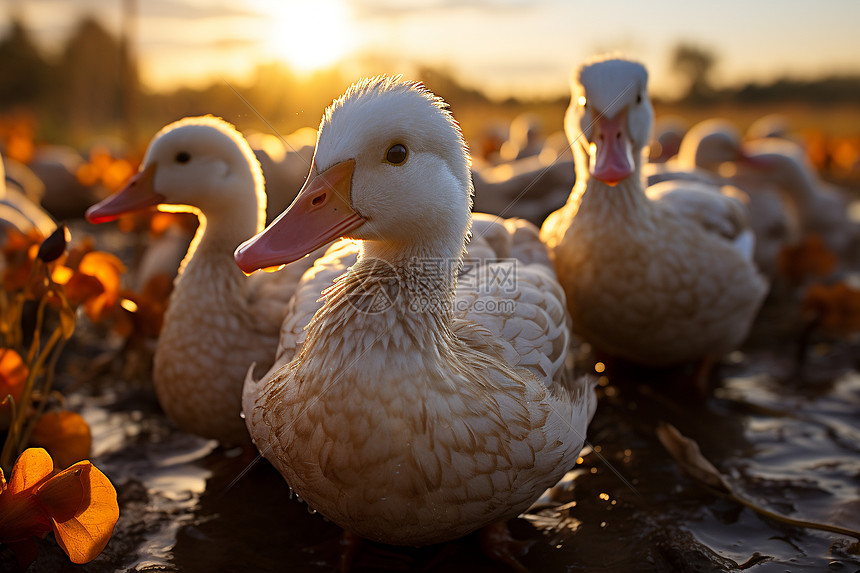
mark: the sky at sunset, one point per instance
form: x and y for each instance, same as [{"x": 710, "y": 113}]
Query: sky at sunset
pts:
[{"x": 507, "y": 47}]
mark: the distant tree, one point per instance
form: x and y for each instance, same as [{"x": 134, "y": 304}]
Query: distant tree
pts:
[
  {"x": 25, "y": 76},
  {"x": 93, "y": 75},
  {"x": 821, "y": 91},
  {"x": 694, "y": 64}
]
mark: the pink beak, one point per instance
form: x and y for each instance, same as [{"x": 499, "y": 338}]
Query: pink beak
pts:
[
  {"x": 320, "y": 213},
  {"x": 611, "y": 150},
  {"x": 138, "y": 194}
]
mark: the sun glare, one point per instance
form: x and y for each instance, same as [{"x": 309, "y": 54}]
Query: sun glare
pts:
[{"x": 307, "y": 35}]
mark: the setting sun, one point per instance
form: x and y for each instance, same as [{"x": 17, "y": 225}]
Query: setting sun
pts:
[{"x": 307, "y": 35}]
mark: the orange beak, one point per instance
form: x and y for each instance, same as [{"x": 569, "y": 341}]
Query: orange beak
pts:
[
  {"x": 137, "y": 195},
  {"x": 319, "y": 214}
]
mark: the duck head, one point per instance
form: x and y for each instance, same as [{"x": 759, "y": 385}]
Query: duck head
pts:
[
  {"x": 390, "y": 168},
  {"x": 196, "y": 163},
  {"x": 610, "y": 118},
  {"x": 709, "y": 144}
]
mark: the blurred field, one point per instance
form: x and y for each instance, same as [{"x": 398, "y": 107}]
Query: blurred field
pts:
[{"x": 781, "y": 423}]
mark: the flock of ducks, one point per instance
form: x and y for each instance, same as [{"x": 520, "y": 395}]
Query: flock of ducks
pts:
[{"x": 409, "y": 370}]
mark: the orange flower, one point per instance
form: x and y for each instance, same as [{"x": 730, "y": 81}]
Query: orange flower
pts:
[
  {"x": 95, "y": 283},
  {"x": 836, "y": 307},
  {"x": 103, "y": 168},
  {"x": 107, "y": 268},
  {"x": 19, "y": 250},
  {"x": 78, "y": 504},
  {"x": 809, "y": 258},
  {"x": 13, "y": 375},
  {"x": 66, "y": 436}
]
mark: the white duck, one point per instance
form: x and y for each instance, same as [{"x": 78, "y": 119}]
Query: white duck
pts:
[
  {"x": 817, "y": 207},
  {"x": 705, "y": 146},
  {"x": 420, "y": 406},
  {"x": 19, "y": 211},
  {"x": 218, "y": 321},
  {"x": 645, "y": 281}
]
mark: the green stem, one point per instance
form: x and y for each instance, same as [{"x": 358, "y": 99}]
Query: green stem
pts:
[
  {"x": 46, "y": 390},
  {"x": 37, "y": 331},
  {"x": 13, "y": 442},
  {"x": 16, "y": 311},
  {"x": 13, "y": 311}
]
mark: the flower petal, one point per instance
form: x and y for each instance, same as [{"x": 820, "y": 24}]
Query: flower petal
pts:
[
  {"x": 33, "y": 467},
  {"x": 107, "y": 268},
  {"x": 63, "y": 496},
  {"x": 84, "y": 535}
]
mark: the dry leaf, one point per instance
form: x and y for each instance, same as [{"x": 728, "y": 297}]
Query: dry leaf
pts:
[{"x": 689, "y": 457}]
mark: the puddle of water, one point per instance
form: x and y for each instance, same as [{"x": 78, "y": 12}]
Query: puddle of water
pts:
[{"x": 793, "y": 447}]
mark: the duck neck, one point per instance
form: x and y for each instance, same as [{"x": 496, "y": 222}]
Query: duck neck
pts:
[
  {"x": 395, "y": 304},
  {"x": 381, "y": 325},
  {"x": 429, "y": 255},
  {"x": 426, "y": 279},
  {"x": 216, "y": 239},
  {"x": 435, "y": 266},
  {"x": 624, "y": 202}
]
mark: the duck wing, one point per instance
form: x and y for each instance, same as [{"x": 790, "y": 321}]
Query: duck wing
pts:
[
  {"x": 516, "y": 297},
  {"x": 719, "y": 210}
]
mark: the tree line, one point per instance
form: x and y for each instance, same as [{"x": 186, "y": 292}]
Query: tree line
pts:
[{"x": 93, "y": 87}]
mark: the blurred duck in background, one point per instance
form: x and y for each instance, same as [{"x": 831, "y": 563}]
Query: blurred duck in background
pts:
[
  {"x": 786, "y": 199},
  {"x": 20, "y": 194},
  {"x": 713, "y": 147},
  {"x": 668, "y": 133},
  {"x": 656, "y": 282},
  {"x": 815, "y": 207},
  {"x": 525, "y": 138},
  {"x": 219, "y": 322}
]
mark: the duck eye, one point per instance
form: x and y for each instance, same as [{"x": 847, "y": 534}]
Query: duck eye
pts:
[
  {"x": 396, "y": 154},
  {"x": 183, "y": 157}
]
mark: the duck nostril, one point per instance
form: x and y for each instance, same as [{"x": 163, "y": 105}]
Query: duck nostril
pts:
[
  {"x": 318, "y": 200},
  {"x": 618, "y": 135}
]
